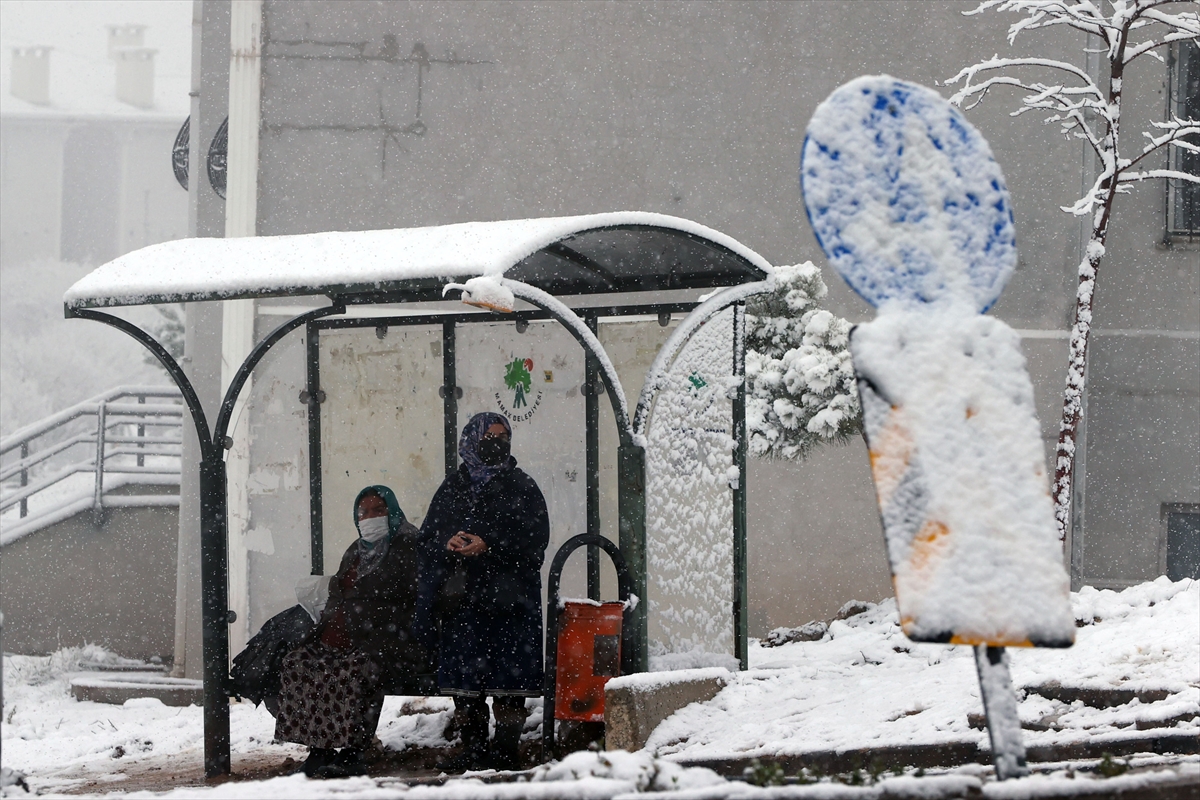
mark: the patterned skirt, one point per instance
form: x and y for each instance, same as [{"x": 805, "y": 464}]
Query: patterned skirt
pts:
[{"x": 326, "y": 697}]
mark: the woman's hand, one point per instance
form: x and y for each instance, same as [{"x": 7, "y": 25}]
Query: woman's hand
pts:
[{"x": 466, "y": 544}]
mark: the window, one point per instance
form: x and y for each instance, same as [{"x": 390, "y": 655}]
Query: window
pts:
[
  {"x": 1183, "y": 197},
  {"x": 1183, "y": 540}
]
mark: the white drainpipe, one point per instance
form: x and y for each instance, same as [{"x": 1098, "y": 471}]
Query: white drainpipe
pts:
[{"x": 237, "y": 330}]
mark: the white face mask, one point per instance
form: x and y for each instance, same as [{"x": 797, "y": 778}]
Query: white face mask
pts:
[{"x": 373, "y": 529}]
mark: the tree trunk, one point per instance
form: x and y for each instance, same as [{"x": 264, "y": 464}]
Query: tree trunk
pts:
[{"x": 1081, "y": 330}]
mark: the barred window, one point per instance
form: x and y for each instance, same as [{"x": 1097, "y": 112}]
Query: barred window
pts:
[{"x": 1183, "y": 197}]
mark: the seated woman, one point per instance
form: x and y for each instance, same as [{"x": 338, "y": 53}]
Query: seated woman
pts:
[{"x": 333, "y": 683}]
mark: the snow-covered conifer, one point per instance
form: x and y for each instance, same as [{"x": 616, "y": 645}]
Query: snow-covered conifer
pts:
[{"x": 800, "y": 389}]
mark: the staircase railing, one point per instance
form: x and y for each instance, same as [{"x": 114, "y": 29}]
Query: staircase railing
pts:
[{"x": 127, "y": 435}]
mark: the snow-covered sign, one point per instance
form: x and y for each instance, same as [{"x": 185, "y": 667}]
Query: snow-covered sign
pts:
[
  {"x": 912, "y": 209},
  {"x": 905, "y": 197}
]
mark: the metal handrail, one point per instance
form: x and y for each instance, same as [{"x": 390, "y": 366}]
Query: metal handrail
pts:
[
  {"x": 120, "y": 432},
  {"x": 36, "y": 429}
]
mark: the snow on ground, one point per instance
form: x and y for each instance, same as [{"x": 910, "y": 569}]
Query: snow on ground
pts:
[
  {"x": 863, "y": 685},
  {"x": 59, "y": 741}
]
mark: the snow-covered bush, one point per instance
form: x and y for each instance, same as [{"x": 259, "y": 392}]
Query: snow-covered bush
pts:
[{"x": 800, "y": 389}]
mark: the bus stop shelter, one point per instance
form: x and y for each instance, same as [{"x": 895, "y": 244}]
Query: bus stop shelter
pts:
[{"x": 606, "y": 265}]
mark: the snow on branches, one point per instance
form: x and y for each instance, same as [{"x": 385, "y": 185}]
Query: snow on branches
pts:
[
  {"x": 800, "y": 389},
  {"x": 1090, "y": 110},
  {"x": 1082, "y": 107}
]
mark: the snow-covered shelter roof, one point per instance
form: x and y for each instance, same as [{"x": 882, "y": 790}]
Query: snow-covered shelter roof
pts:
[{"x": 626, "y": 251}]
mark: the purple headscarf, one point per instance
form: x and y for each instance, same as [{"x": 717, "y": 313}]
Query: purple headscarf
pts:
[{"x": 468, "y": 448}]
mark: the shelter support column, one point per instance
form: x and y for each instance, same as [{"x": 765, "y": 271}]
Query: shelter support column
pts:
[
  {"x": 312, "y": 398},
  {"x": 449, "y": 394},
  {"x": 631, "y": 510},
  {"x": 740, "y": 588},
  {"x": 591, "y": 415},
  {"x": 214, "y": 615},
  {"x": 214, "y": 541}
]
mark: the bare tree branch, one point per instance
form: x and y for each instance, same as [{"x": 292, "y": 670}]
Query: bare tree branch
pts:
[{"x": 1138, "y": 177}]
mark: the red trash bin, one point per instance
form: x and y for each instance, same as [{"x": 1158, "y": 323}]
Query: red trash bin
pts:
[{"x": 589, "y": 653}]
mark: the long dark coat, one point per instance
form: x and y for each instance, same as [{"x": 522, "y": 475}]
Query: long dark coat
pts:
[
  {"x": 491, "y": 641},
  {"x": 377, "y": 613}
]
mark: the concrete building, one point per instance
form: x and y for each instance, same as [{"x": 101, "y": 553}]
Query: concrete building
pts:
[
  {"x": 86, "y": 136},
  {"x": 89, "y": 116},
  {"x": 382, "y": 115}
]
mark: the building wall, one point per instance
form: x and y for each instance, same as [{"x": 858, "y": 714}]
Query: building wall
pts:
[
  {"x": 31, "y": 188},
  {"x": 693, "y": 109},
  {"x": 77, "y": 583},
  {"x": 1143, "y": 403},
  {"x": 87, "y": 189}
]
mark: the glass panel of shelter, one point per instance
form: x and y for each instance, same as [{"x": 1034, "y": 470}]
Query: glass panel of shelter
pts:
[
  {"x": 379, "y": 423},
  {"x": 532, "y": 374},
  {"x": 689, "y": 500}
]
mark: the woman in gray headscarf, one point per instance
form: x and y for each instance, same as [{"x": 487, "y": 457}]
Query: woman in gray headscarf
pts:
[
  {"x": 332, "y": 685},
  {"x": 485, "y": 535}
]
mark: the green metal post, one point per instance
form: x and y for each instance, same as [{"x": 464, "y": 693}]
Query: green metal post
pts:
[
  {"x": 449, "y": 398},
  {"x": 591, "y": 416},
  {"x": 741, "y": 640},
  {"x": 631, "y": 510},
  {"x": 214, "y": 615},
  {"x": 316, "y": 503}
]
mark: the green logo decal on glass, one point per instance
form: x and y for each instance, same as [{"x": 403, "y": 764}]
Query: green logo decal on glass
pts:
[{"x": 517, "y": 378}]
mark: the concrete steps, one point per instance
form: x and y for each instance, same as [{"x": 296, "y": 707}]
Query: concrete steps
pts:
[{"x": 117, "y": 687}]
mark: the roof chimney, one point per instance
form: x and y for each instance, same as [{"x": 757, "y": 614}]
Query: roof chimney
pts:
[
  {"x": 124, "y": 36},
  {"x": 135, "y": 75},
  {"x": 31, "y": 74}
]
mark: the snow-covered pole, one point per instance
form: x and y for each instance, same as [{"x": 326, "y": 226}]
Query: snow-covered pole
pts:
[{"x": 1000, "y": 708}]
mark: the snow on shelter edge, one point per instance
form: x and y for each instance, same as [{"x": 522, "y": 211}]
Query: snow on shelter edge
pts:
[{"x": 339, "y": 262}]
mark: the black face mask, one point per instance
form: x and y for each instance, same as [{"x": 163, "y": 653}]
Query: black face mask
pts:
[{"x": 493, "y": 451}]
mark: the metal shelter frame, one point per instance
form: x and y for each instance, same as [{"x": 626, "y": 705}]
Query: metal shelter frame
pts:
[{"x": 214, "y": 441}]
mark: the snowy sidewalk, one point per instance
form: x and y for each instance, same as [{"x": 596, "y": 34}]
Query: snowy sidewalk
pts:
[{"x": 864, "y": 686}]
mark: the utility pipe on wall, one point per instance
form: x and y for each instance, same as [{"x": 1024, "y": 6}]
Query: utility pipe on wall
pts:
[{"x": 237, "y": 329}]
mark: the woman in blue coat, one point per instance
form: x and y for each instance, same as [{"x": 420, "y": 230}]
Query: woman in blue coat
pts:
[{"x": 481, "y": 548}]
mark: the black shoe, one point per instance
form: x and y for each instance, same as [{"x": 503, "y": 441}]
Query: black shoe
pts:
[
  {"x": 349, "y": 762},
  {"x": 505, "y": 752},
  {"x": 318, "y": 757},
  {"x": 469, "y": 760}
]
